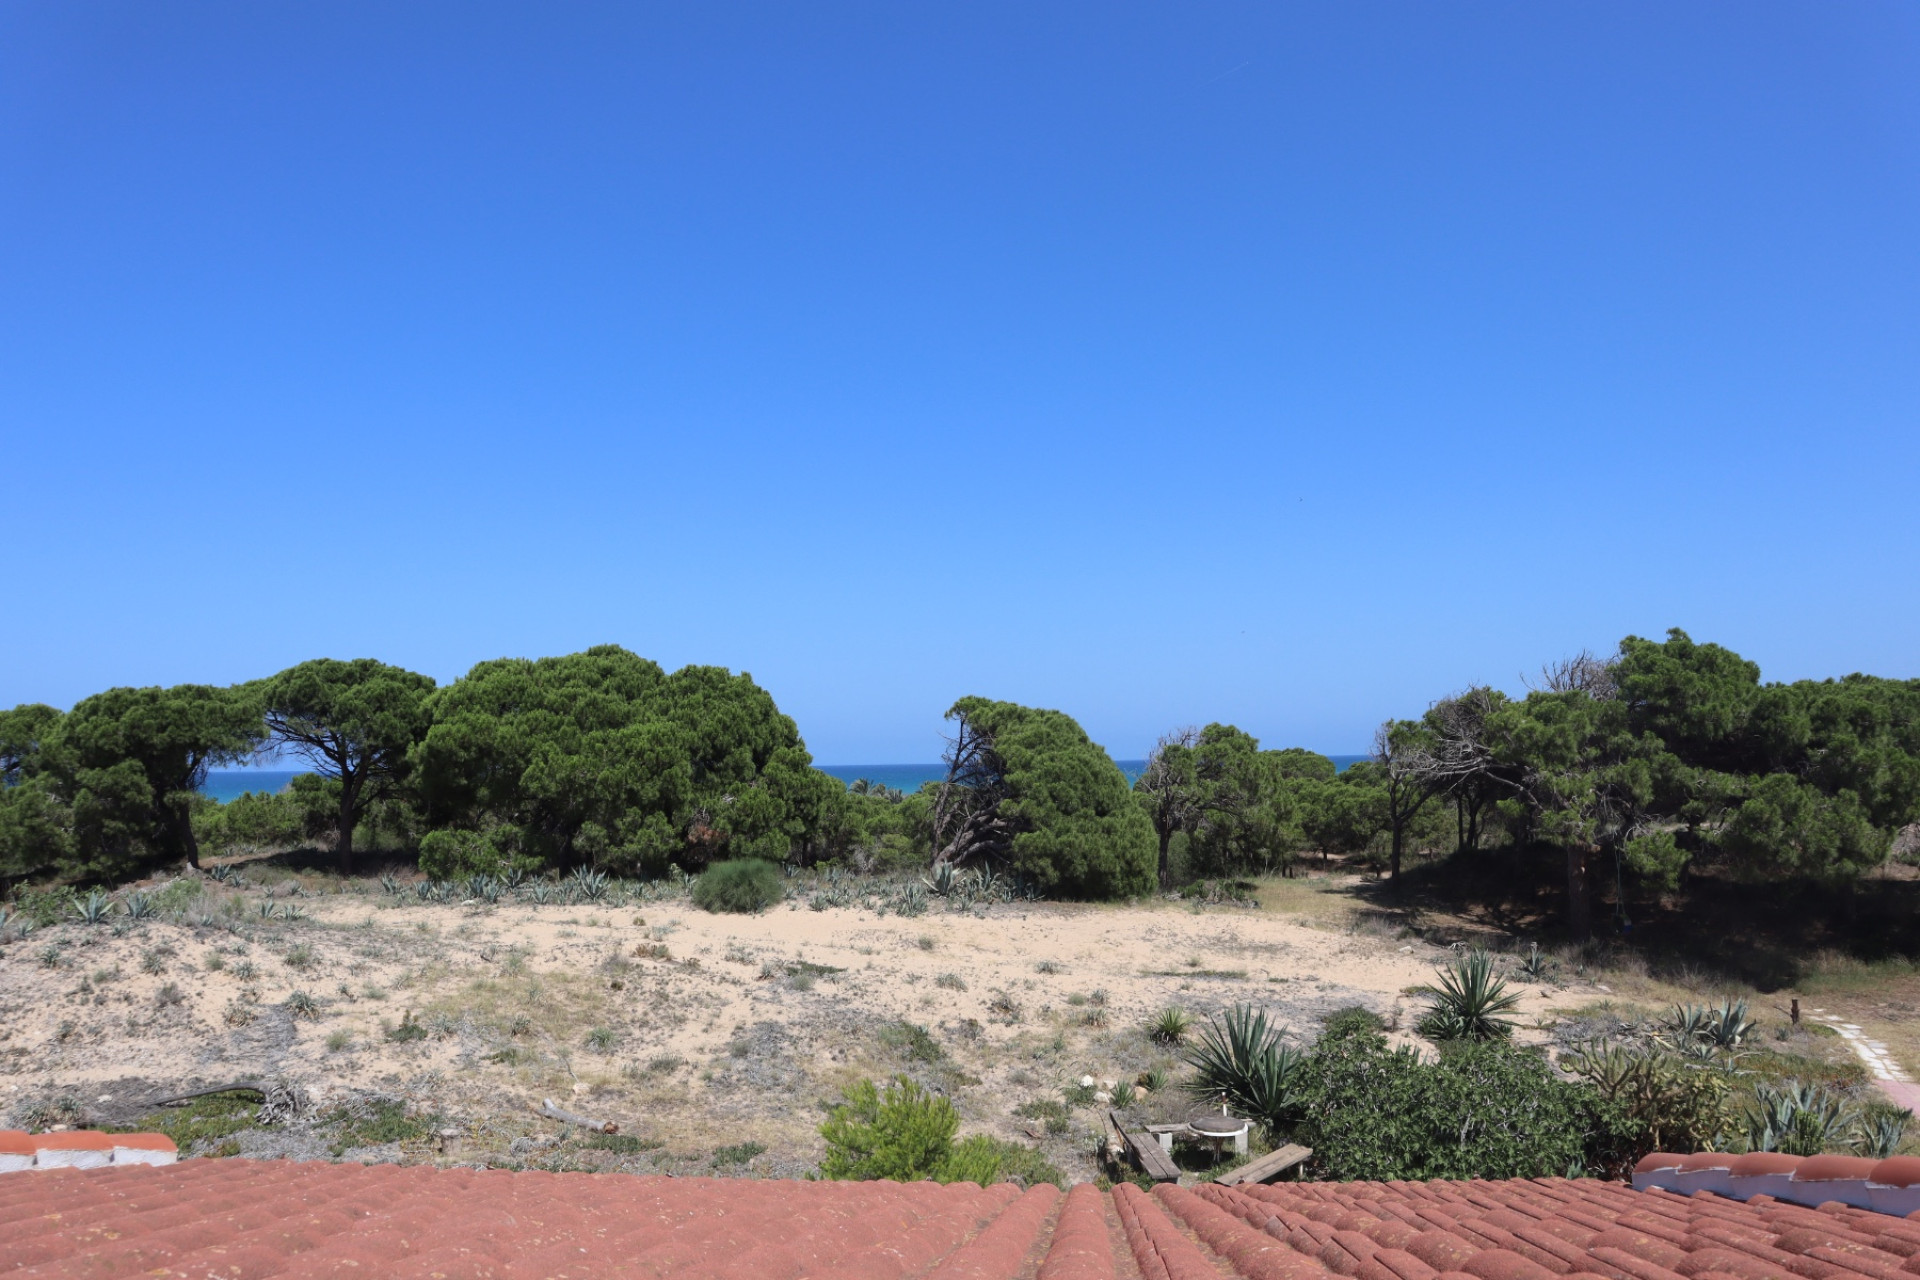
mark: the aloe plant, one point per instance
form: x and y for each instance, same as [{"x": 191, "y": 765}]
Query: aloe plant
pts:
[
  {"x": 1242, "y": 1060},
  {"x": 1470, "y": 1002}
]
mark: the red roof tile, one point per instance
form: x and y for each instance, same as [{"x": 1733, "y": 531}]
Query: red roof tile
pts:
[{"x": 242, "y": 1220}]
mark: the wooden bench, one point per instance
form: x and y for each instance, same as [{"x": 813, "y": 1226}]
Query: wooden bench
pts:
[
  {"x": 1146, "y": 1152},
  {"x": 1267, "y": 1167}
]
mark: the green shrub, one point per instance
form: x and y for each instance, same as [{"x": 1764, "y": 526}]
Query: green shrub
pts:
[
  {"x": 745, "y": 885},
  {"x": 1350, "y": 1019},
  {"x": 457, "y": 855},
  {"x": 1484, "y": 1110},
  {"x": 904, "y": 1133}
]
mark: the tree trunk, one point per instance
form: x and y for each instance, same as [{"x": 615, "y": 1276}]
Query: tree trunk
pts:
[
  {"x": 1579, "y": 903},
  {"x": 1393, "y": 874},
  {"x": 1166, "y": 839}
]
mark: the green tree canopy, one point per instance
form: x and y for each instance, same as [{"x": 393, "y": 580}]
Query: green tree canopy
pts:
[
  {"x": 354, "y": 723},
  {"x": 1028, "y": 790},
  {"x": 129, "y": 762},
  {"x": 34, "y": 824},
  {"x": 600, "y": 756}
]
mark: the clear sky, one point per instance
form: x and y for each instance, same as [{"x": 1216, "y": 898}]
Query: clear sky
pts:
[{"x": 1286, "y": 364}]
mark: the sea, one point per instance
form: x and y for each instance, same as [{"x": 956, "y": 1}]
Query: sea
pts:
[{"x": 224, "y": 785}]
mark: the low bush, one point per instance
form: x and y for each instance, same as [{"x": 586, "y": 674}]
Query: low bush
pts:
[
  {"x": 1484, "y": 1110},
  {"x": 906, "y": 1134},
  {"x": 744, "y": 885},
  {"x": 1352, "y": 1018}
]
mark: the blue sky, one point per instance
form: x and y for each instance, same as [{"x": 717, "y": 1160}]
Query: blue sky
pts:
[{"x": 1290, "y": 365}]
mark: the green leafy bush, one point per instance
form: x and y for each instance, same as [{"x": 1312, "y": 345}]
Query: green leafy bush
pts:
[
  {"x": 904, "y": 1133},
  {"x": 448, "y": 854},
  {"x": 1484, "y": 1110},
  {"x": 1352, "y": 1018},
  {"x": 745, "y": 885}
]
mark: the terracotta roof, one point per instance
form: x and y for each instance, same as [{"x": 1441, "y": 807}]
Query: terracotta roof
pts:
[{"x": 249, "y": 1220}]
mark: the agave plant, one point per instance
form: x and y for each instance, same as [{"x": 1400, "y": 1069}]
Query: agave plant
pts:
[
  {"x": 944, "y": 879},
  {"x": 513, "y": 878},
  {"x": 389, "y": 885},
  {"x": 266, "y": 910},
  {"x": 913, "y": 900},
  {"x": 1728, "y": 1024},
  {"x": 94, "y": 908},
  {"x": 140, "y": 906},
  {"x": 1879, "y": 1132},
  {"x": 1798, "y": 1119},
  {"x": 302, "y": 1005},
  {"x": 291, "y": 912},
  {"x": 589, "y": 884},
  {"x": 1240, "y": 1059},
  {"x": 1169, "y": 1026},
  {"x": 1470, "y": 1002},
  {"x": 221, "y": 874},
  {"x": 540, "y": 893}
]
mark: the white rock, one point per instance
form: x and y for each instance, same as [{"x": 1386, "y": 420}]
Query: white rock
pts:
[
  {"x": 1086, "y": 1082},
  {"x": 1102, "y": 1097}
]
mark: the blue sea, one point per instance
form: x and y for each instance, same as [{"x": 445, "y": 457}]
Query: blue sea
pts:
[{"x": 228, "y": 784}]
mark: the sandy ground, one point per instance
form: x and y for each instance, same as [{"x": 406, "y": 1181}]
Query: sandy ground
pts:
[{"x": 693, "y": 1032}]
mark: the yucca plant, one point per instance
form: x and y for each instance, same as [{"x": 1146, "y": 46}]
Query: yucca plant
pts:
[
  {"x": 1170, "y": 1026},
  {"x": 94, "y": 908},
  {"x": 1537, "y": 965},
  {"x": 1469, "y": 1003},
  {"x": 1241, "y": 1059}
]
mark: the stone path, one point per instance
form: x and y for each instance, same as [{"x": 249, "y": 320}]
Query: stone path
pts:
[{"x": 1888, "y": 1075}]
